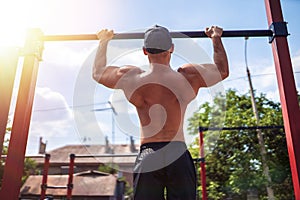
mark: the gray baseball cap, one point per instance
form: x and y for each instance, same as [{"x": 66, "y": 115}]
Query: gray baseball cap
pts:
[{"x": 157, "y": 39}]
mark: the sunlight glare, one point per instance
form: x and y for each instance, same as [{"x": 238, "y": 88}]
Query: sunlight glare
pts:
[{"x": 16, "y": 16}]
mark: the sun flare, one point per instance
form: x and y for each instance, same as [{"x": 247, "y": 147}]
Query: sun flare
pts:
[{"x": 16, "y": 16}]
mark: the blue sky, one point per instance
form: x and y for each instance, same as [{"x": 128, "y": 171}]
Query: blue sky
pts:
[{"x": 65, "y": 93}]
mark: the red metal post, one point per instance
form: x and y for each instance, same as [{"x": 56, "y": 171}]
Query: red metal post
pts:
[
  {"x": 71, "y": 172},
  {"x": 14, "y": 165},
  {"x": 45, "y": 176},
  {"x": 287, "y": 91},
  {"x": 8, "y": 67},
  {"x": 202, "y": 166}
]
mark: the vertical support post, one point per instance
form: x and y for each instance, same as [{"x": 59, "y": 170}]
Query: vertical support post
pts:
[
  {"x": 8, "y": 68},
  {"x": 202, "y": 164},
  {"x": 45, "y": 176},
  {"x": 71, "y": 172},
  {"x": 287, "y": 91},
  {"x": 14, "y": 165}
]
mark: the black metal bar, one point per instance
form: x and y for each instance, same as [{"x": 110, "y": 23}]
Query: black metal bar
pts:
[
  {"x": 239, "y": 128},
  {"x": 198, "y": 160},
  {"x": 56, "y": 187},
  {"x": 105, "y": 155},
  {"x": 183, "y": 34},
  {"x": 232, "y": 33}
]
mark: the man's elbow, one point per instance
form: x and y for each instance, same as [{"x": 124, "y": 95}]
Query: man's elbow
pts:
[
  {"x": 224, "y": 71},
  {"x": 97, "y": 76},
  {"x": 225, "y": 74},
  {"x": 98, "y": 71}
]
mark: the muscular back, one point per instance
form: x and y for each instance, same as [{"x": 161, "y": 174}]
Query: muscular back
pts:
[{"x": 160, "y": 97}]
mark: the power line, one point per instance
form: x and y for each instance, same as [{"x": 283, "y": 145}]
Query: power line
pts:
[
  {"x": 255, "y": 75},
  {"x": 73, "y": 107},
  {"x": 103, "y": 103},
  {"x": 68, "y": 107}
]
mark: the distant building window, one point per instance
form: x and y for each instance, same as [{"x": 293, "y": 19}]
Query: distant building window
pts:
[{"x": 65, "y": 169}]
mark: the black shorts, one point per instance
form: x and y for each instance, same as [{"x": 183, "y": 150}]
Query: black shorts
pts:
[{"x": 164, "y": 165}]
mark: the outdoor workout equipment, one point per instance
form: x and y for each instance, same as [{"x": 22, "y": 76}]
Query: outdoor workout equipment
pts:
[
  {"x": 183, "y": 34},
  {"x": 8, "y": 68},
  {"x": 201, "y": 148},
  {"x": 69, "y": 186},
  {"x": 32, "y": 53}
]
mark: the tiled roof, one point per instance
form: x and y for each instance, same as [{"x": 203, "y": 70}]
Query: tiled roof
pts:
[
  {"x": 97, "y": 184},
  {"x": 61, "y": 155}
]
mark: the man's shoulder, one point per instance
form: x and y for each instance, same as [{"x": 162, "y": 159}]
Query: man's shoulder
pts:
[
  {"x": 191, "y": 72},
  {"x": 187, "y": 68},
  {"x": 131, "y": 69}
]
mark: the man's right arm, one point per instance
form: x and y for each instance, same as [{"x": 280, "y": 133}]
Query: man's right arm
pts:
[
  {"x": 100, "y": 66},
  {"x": 110, "y": 76}
]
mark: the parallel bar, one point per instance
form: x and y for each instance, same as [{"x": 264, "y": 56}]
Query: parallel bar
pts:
[
  {"x": 104, "y": 155},
  {"x": 26, "y": 156},
  {"x": 198, "y": 160},
  {"x": 45, "y": 176},
  {"x": 70, "y": 179},
  {"x": 183, "y": 34},
  {"x": 57, "y": 187},
  {"x": 239, "y": 128},
  {"x": 202, "y": 166}
]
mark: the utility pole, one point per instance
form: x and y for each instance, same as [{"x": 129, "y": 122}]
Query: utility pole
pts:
[
  {"x": 111, "y": 107},
  {"x": 261, "y": 142}
]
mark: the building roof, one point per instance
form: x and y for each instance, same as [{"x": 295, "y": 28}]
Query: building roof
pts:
[
  {"x": 88, "y": 184},
  {"x": 122, "y": 154}
]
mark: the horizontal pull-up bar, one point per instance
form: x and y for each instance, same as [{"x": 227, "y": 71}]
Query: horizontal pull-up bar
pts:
[
  {"x": 238, "y": 128},
  {"x": 184, "y": 34},
  {"x": 55, "y": 187},
  {"x": 105, "y": 155}
]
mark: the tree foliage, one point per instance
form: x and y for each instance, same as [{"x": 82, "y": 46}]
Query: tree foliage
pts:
[
  {"x": 233, "y": 159},
  {"x": 30, "y": 166},
  {"x": 113, "y": 168},
  {"x": 110, "y": 168}
]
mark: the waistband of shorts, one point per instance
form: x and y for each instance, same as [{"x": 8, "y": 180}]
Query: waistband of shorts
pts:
[{"x": 159, "y": 145}]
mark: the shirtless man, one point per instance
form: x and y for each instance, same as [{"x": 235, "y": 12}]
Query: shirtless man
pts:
[{"x": 161, "y": 96}]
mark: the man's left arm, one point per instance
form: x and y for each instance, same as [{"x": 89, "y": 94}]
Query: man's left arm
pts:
[{"x": 220, "y": 57}]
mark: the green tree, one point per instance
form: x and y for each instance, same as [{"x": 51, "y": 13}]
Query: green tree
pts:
[
  {"x": 232, "y": 157},
  {"x": 30, "y": 166},
  {"x": 110, "y": 168},
  {"x": 113, "y": 168},
  {"x": 298, "y": 98}
]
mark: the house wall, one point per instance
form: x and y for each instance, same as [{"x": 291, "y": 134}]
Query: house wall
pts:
[
  {"x": 63, "y": 170},
  {"x": 36, "y": 197}
]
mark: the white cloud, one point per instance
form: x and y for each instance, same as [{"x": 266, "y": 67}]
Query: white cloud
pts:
[
  {"x": 263, "y": 76},
  {"x": 67, "y": 54},
  {"x": 130, "y": 57},
  {"x": 296, "y": 62},
  {"x": 51, "y": 114},
  {"x": 266, "y": 79},
  {"x": 50, "y": 105},
  {"x": 52, "y": 119},
  {"x": 273, "y": 95}
]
